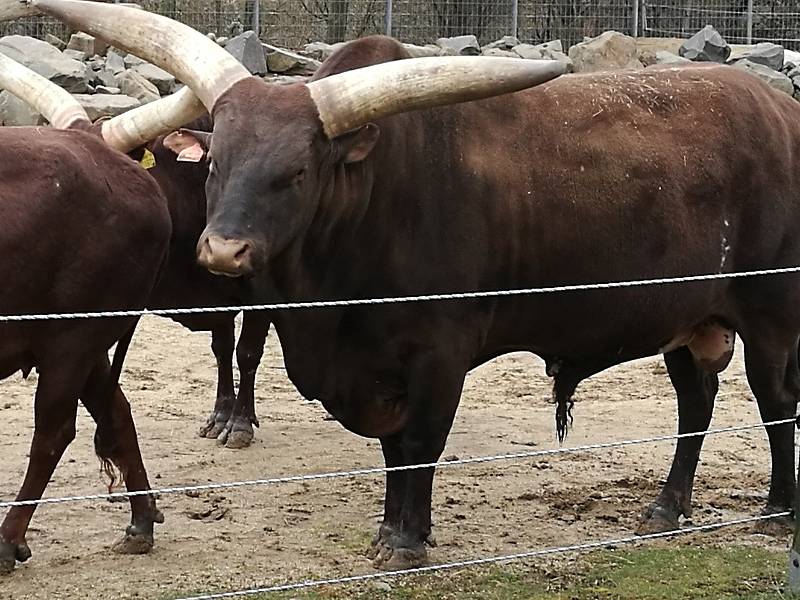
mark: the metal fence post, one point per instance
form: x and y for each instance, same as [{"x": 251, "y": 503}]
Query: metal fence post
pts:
[
  {"x": 635, "y": 24},
  {"x": 387, "y": 17},
  {"x": 257, "y": 17},
  {"x": 749, "y": 21},
  {"x": 514, "y": 18}
]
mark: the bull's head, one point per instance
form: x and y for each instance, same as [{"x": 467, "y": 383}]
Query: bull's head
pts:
[{"x": 275, "y": 149}]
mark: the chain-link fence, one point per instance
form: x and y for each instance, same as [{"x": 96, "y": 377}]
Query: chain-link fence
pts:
[{"x": 293, "y": 23}]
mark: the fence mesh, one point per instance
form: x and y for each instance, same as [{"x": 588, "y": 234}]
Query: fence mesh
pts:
[{"x": 293, "y": 23}]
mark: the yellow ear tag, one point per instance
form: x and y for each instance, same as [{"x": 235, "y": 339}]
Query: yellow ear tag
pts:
[{"x": 148, "y": 160}]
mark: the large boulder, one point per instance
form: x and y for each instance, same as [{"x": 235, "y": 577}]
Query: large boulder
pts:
[
  {"x": 528, "y": 51},
  {"x": 707, "y": 45},
  {"x": 46, "y": 60},
  {"x": 609, "y": 51},
  {"x": 462, "y": 45},
  {"x": 505, "y": 43},
  {"x": 422, "y": 51},
  {"x": 55, "y": 41},
  {"x": 774, "y": 78},
  {"x": 105, "y": 105},
  {"x": 321, "y": 50},
  {"x": 115, "y": 62},
  {"x": 499, "y": 52},
  {"x": 668, "y": 58},
  {"x": 89, "y": 45},
  {"x": 247, "y": 49},
  {"x": 767, "y": 54},
  {"x": 280, "y": 60},
  {"x": 15, "y": 112},
  {"x": 133, "y": 84},
  {"x": 648, "y": 48},
  {"x": 158, "y": 77}
]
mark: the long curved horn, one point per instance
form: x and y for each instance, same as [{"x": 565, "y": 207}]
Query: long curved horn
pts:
[
  {"x": 53, "y": 103},
  {"x": 348, "y": 100},
  {"x": 140, "y": 125},
  {"x": 189, "y": 55}
]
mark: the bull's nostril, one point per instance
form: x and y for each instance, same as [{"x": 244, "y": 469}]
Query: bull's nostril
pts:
[{"x": 243, "y": 254}]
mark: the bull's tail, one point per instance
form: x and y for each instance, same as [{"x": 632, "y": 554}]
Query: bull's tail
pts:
[{"x": 104, "y": 442}]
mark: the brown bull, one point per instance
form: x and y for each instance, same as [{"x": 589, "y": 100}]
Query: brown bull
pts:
[
  {"x": 332, "y": 191},
  {"x": 84, "y": 229}
]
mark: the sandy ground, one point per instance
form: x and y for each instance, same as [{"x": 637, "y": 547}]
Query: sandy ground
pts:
[{"x": 235, "y": 539}]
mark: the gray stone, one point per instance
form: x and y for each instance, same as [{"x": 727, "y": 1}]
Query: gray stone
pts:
[
  {"x": 96, "y": 63},
  {"x": 75, "y": 54},
  {"x": 777, "y": 80},
  {"x": 115, "y": 62},
  {"x": 46, "y": 60},
  {"x": 609, "y": 51},
  {"x": 14, "y": 112},
  {"x": 212, "y": 36},
  {"x": 133, "y": 61},
  {"x": 321, "y": 50},
  {"x": 462, "y": 45},
  {"x": 104, "y": 105},
  {"x": 223, "y": 41},
  {"x": 767, "y": 54},
  {"x": 106, "y": 77},
  {"x": 505, "y": 43},
  {"x": 133, "y": 84},
  {"x": 499, "y": 52},
  {"x": 280, "y": 60},
  {"x": 54, "y": 41},
  {"x": 561, "y": 57},
  {"x": 158, "y": 77},
  {"x": 381, "y": 586},
  {"x": 111, "y": 91},
  {"x": 82, "y": 42},
  {"x": 527, "y": 51},
  {"x": 706, "y": 45},
  {"x": 247, "y": 49},
  {"x": 791, "y": 57},
  {"x": 664, "y": 57},
  {"x": 554, "y": 46},
  {"x": 422, "y": 51}
]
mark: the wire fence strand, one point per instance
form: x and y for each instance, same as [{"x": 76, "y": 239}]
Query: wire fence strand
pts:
[
  {"x": 382, "y": 470},
  {"x": 403, "y": 299},
  {"x": 476, "y": 562}
]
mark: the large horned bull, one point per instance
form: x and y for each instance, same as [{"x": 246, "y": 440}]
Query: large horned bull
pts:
[
  {"x": 84, "y": 229},
  {"x": 334, "y": 190}
]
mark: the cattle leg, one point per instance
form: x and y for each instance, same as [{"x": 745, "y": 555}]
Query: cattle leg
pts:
[
  {"x": 238, "y": 432},
  {"x": 434, "y": 390},
  {"x": 55, "y": 409},
  {"x": 395, "y": 491},
  {"x": 696, "y": 390},
  {"x": 116, "y": 441},
  {"x": 774, "y": 378},
  {"x": 222, "y": 342}
]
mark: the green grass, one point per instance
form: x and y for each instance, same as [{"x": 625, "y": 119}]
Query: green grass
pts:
[{"x": 738, "y": 573}]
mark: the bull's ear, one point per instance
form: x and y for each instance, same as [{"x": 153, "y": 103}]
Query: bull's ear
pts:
[
  {"x": 190, "y": 146},
  {"x": 355, "y": 146}
]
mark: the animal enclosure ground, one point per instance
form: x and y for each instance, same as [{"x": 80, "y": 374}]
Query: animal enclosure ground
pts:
[{"x": 240, "y": 538}]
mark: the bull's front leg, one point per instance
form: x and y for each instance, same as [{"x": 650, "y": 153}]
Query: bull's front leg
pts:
[
  {"x": 434, "y": 390},
  {"x": 223, "y": 337}
]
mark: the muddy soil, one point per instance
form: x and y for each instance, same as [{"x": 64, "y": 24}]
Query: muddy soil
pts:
[{"x": 238, "y": 538}]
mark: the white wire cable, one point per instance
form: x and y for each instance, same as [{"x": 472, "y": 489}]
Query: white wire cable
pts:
[
  {"x": 401, "y": 299},
  {"x": 481, "y": 561},
  {"x": 380, "y": 470}
]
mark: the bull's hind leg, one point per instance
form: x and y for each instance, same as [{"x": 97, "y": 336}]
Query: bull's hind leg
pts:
[
  {"x": 696, "y": 390},
  {"x": 238, "y": 432},
  {"x": 55, "y": 409},
  {"x": 116, "y": 442},
  {"x": 222, "y": 344},
  {"x": 772, "y": 371}
]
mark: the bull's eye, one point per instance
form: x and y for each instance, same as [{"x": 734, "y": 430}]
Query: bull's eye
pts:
[{"x": 299, "y": 176}]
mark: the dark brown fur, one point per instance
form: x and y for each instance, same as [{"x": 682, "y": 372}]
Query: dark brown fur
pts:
[
  {"x": 84, "y": 229},
  {"x": 588, "y": 178}
]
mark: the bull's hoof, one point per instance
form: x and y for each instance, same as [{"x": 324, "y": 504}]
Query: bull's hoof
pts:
[
  {"x": 389, "y": 551},
  {"x": 134, "y": 543},
  {"x": 777, "y": 527},
  {"x": 657, "y": 519},
  {"x": 10, "y": 554},
  {"x": 214, "y": 426},
  {"x": 237, "y": 434}
]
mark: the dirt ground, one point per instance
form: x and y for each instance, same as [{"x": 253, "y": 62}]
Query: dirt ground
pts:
[{"x": 235, "y": 539}]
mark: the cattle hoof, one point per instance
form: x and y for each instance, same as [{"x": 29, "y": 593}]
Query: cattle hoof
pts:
[
  {"x": 400, "y": 559},
  {"x": 238, "y": 440},
  {"x": 214, "y": 427},
  {"x": 10, "y": 554},
  {"x": 657, "y": 519},
  {"x": 136, "y": 541}
]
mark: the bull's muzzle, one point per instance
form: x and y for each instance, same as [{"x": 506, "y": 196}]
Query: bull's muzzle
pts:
[{"x": 228, "y": 257}]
